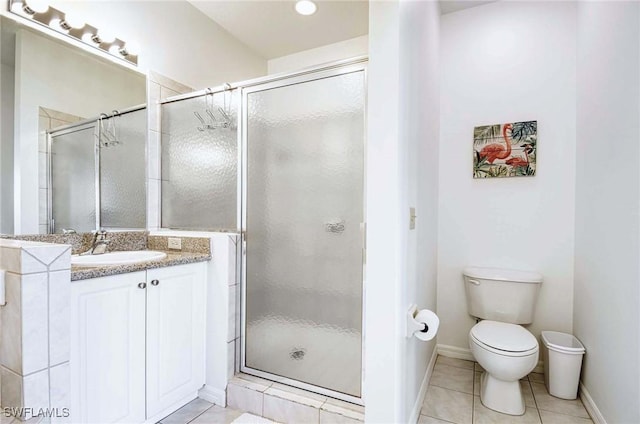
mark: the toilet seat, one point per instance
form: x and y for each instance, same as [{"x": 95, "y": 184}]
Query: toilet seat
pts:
[{"x": 503, "y": 338}]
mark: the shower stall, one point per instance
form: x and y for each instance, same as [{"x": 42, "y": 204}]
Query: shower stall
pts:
[{"x": 297, "y": 146}]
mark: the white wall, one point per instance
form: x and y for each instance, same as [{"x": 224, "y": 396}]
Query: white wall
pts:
[
  {"x": 607, "y": 288},
  {"x": 401, "y": 150},
  {"x": 176, "y": 40},
  {"x": 6, "y": 148},
  {"x": 353, "y": 47},
  {"x": 420, "y": 127},
  {"x": 385, "y": 220},
  {"x": 56, "y": 76},
  {"x": 505, "y": 62}
]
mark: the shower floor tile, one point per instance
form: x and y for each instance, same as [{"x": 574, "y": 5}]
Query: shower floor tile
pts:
[{"x": 451, "y": 398}]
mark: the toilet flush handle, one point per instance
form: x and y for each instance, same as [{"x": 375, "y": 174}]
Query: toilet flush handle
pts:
[{"x": 474, "y": 282}]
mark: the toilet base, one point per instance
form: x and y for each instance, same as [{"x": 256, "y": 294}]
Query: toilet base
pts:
[{"x": 501, "y": 396}]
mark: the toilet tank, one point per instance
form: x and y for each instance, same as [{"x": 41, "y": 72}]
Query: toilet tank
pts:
[{"x": 501, "y": 294}]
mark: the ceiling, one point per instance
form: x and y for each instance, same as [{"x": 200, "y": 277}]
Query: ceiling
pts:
[
  {"x": 450, "y": 6},
  {"x": 273, "y": 28}
]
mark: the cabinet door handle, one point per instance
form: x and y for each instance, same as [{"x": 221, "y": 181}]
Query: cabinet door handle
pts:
[
  {"x": 142, "y": 285},
  {"x": 155, "y": 282}
]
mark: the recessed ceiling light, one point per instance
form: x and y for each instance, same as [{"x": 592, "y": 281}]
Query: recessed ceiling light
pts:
[{"x": 306, "y": 7}]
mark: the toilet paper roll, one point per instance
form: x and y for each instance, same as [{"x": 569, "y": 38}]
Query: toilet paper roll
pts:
[{"x": 433, "y": 322}]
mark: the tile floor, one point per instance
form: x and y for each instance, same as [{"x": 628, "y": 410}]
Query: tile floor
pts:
[
  {"x": 200, "y": 411},
  {"x": 287, "y": 404},
  {"x": 453, "y": 396}
]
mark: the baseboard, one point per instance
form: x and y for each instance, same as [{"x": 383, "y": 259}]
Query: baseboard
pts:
[
  {"x": 455, "y": 352},
  {"x": 171, "y": 409},
  {"x": 415, "y": 413},
  {"x": 539, "y": 369},
  {"x": 213, "y": 395},
  {"x": 590, "y": 405},
  {"x": 461, "y": 353}
]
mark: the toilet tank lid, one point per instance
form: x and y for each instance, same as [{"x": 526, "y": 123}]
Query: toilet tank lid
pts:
[{"x": 502, "y": 274}]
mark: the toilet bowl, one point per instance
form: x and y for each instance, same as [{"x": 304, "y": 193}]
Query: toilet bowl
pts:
[{"x": 507, "y": 352}]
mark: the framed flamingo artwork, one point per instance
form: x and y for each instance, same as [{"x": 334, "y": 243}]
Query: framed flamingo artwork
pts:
[{"x": 505, "y": 150}]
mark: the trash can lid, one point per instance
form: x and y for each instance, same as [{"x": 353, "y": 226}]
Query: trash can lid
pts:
[{"x": 562, "y": 342}]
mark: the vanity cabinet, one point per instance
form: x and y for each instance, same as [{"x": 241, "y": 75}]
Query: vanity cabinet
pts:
[{"x": 137, "y": 344}]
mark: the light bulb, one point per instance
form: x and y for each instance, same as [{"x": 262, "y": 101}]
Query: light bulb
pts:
[
  {"x": 59, "y": 25},
  {"x": 106, "y": 36},
  {"x": 16, "y": 7},
  {"x": 115, "y": 49},
  {"x": 38, "y": 6},
  {"x": 132, "y": 48},
  {"x": 306, "y": 7},
  {"x": 74, "y": 20},
  {"x": 87, "y": 37}
]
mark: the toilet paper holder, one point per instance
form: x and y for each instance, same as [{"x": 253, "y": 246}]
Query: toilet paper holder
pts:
[{"x": 412, "y": 324}]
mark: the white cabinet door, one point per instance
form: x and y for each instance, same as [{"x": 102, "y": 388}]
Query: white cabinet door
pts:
[
  {"x": 108, "y": 349},
  {"x": 175, "y": 335}
]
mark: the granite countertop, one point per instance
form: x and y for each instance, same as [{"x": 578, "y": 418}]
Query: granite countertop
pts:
[{"x": 173, "y": 258}]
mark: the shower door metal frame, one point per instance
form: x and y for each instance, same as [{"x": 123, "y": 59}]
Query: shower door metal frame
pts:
[
  {"x": 312, "y": 74},
  {"x": 68, "y": 129}
]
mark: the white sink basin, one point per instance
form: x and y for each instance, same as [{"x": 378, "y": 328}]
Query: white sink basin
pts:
[{"x": 117, "y": 258}]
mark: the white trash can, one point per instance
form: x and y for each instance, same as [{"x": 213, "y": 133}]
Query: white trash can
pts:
[{"x": 562, "y": 355}]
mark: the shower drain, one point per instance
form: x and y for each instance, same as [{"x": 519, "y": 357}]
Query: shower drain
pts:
[{"x": 297, "y": 353}]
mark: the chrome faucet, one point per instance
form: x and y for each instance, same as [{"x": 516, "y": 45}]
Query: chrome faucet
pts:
[{"x": 99, "y": 245}]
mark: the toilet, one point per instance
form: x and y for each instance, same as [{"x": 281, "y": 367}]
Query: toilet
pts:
[{"x": 502, "y": 300}]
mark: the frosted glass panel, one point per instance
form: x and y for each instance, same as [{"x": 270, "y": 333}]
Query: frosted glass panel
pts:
[
  {"x": 304, "y": 239},
  {"x": 200, "y": 163},
  {"x": 122, "y": 172},
  {"x": 73, "y": 180}
]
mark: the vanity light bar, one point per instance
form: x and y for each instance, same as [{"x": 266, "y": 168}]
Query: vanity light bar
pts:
[{"x": 55, "y": 19}]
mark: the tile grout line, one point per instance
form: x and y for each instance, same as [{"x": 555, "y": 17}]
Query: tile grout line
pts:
[
  {"x": 49, "y": 326},
  {"x": 535, "y": 401},
  {"x": 196, "y": 417},
  {"x": 473, "y": 389},
  {"x": 454, "y": 390}
]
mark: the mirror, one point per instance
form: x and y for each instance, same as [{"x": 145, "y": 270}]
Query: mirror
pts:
[{"x": 57, "y": 154}]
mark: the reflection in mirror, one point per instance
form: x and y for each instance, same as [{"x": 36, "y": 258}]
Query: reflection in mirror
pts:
[
  {"x": 48, "y": 85},
  {"x": 72, "y": 182},
  {"x": 83, "y": 196}
]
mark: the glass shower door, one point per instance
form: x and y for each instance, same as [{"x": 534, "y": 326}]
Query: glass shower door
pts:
[
  {"x": 123, "y": 194},
  {"x": 73, "y": 180},
  {"x": 303, "y": 212}
]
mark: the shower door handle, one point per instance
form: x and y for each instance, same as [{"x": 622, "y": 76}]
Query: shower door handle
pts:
[{"x": 336, "y": 227}]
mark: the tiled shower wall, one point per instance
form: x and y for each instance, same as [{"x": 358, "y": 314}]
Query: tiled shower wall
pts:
[{"x": 158, "y": 87}]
